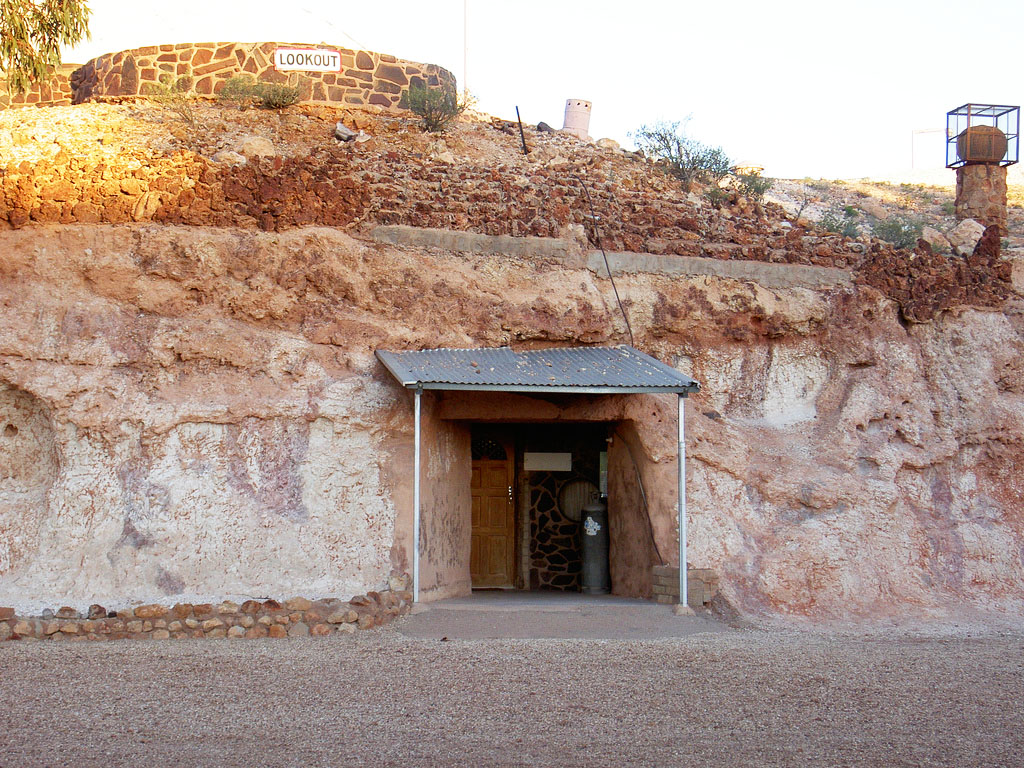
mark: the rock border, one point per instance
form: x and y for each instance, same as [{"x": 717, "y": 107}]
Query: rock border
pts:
[{"x": 295, "y": 617}]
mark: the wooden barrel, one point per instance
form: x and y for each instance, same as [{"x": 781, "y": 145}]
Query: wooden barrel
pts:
[{"x": 981, "y": 144}]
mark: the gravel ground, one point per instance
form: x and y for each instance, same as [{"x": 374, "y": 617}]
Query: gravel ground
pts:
[{"x": 736, "y": 697}]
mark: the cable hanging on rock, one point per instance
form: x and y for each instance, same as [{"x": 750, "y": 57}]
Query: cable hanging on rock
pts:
[{"x": 597, "y": 233}]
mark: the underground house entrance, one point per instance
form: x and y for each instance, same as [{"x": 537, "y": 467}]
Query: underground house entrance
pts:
[
  {"x": 529, "y": 487},
  {"x": 510, "y": 449}
]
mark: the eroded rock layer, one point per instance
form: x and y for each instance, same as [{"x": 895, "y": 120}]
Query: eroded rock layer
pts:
[{"x": 196, "y": 412}]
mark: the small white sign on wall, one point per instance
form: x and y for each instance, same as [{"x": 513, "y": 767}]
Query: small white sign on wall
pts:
[
  {"x": 552, "y": 462},
  {"x": 307, "y": 60}
]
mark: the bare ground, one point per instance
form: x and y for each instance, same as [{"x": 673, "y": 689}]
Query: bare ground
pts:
[{"x": 735, "y": 698}]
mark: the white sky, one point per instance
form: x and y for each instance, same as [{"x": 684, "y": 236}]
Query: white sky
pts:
[{"x": 822, "y": 89}]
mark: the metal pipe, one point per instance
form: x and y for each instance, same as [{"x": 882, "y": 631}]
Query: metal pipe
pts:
[
  {"x": 681, "y": 459},
  {"x": 522, "y": 135},
  {"x": 416, "y": 501}
]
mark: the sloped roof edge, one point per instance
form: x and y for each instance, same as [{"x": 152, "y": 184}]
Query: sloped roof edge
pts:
[{"x": 579, "y": 370}]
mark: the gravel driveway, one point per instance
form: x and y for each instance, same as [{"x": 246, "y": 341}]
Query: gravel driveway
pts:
[{"x": 734, "y": 697}]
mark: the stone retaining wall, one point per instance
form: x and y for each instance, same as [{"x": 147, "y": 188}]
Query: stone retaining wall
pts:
[
  {"x": 701, "y": 585},
  {"x": 297, "y": 617},
  {"x": 365, "y": 77}
]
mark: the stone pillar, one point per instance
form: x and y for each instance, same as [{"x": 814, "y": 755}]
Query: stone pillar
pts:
[{"x": 981, "y": 194}]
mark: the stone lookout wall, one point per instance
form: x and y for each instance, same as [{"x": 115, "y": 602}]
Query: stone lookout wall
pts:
[
  {"x": 54, "y": 93},
  {"x": 365, "y": 77}
]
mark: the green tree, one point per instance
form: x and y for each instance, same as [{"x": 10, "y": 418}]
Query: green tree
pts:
[{"x": 32, "y": 33}]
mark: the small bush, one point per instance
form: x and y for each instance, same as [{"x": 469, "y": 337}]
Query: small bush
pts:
[
  {"x": 901, "y": 231},
  {"x": 752, "y": 185},
  {"x": 687, "y": 159},
  {"x": 277, "y": 95},
  {"x": 239, "y": 91},
  {"x": 174, "y": 94},
  {"x": 716, "y": 195},
  {"x": 839, "y": 221},
  {"x": 948, "y": 207},
  {"x": 436, "y": 107},
  {"x": 243, "y": 91}
]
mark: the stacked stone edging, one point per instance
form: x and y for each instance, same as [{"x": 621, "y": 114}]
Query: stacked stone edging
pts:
[
  {"x": 297, "y": 617},
  {"x": 366, "y": 78},
  {"x": 701, "y": 585}
]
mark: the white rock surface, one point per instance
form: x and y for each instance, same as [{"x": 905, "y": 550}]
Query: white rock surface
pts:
[
  {"x": 256, "y": 146},
  {"x": 964, "y": 236}
]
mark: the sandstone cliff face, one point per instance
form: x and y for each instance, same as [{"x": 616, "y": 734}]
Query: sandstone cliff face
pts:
[{"x": 188, "y": 411}]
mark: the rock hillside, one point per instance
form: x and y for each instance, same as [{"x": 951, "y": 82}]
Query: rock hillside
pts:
[
  {"x": 138, "y": 163},
  {"x": 190, "y": 408}
]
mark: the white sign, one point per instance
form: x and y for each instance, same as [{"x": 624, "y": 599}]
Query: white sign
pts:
[
  {"x": 307, "y": 59},
  {"x": 552, "y": 462}
]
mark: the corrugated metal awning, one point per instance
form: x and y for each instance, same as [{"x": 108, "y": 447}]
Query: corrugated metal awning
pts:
[{"x": 579, "y": 370}]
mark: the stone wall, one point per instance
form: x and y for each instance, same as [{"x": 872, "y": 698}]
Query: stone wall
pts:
[
  {"x": 366, "y": 78},
  {"x": 55, "y": 92},
  {"x": 701, "y": 585},
  {"x": 296, "y": 617}
]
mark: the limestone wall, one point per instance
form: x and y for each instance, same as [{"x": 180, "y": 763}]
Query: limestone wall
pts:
[{"x": 365, "y": 77}]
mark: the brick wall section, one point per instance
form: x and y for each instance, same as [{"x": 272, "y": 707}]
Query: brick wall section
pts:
[
  {"x": 297, "y": 617},
  {"x": 701, "y": 585},
  {"x": 367, "y": 78}
]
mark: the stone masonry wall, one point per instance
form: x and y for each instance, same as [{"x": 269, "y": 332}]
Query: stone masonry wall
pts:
[
  {"x": 55, "y": 92},
  {"x": 366, "y": 78},
  {"x": 701, "y": 585},
  {"x": 981, "y": 194},
  {"x": 297, "y": 617}
]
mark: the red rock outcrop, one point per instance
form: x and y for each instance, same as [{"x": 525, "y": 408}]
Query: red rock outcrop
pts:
[{"x": 479, "y": 184}]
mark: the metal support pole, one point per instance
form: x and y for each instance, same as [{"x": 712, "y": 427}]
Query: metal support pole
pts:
[
  {"x": 416, "y": 502},
  {"x": 681, "y": 459}
]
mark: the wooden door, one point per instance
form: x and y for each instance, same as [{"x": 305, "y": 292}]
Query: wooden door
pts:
[{"x": 492, "y": 554}]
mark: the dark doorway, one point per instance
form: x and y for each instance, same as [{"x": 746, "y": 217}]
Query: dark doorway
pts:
[{"x": 557, "y": 470}]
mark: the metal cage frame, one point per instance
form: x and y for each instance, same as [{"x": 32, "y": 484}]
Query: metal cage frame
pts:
[{"x": 1002, "y": 116}]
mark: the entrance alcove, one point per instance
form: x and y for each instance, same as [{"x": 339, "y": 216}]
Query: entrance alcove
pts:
[{"x": 540, "y": 421}]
